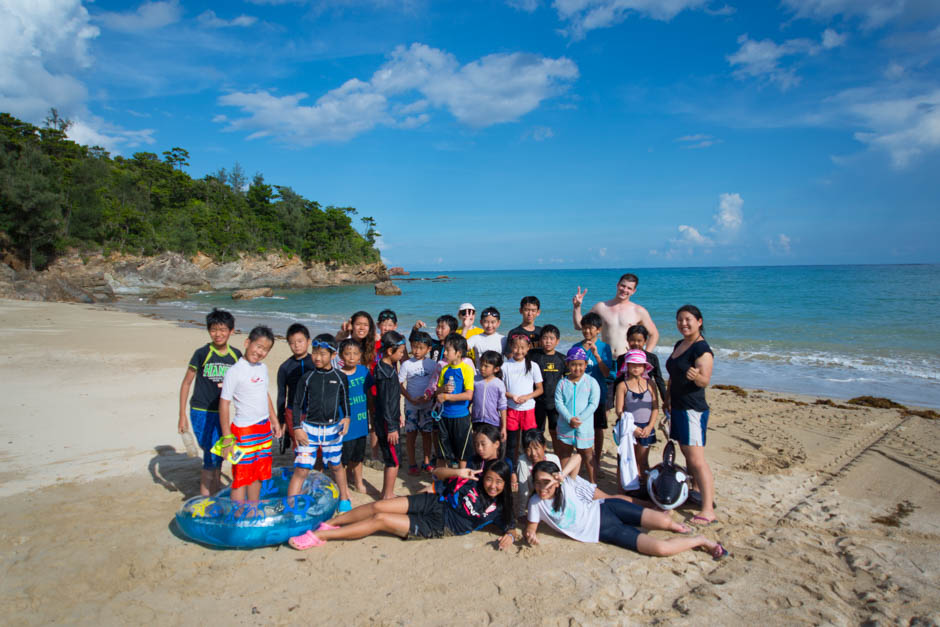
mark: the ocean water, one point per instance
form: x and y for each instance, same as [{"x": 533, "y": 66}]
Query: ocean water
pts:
[{"x": 835, "y": 331}]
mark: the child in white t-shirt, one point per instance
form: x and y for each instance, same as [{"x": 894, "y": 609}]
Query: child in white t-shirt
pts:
[
  {"x": 414, "y": 375},
  {"x": 489, "y": 339}
]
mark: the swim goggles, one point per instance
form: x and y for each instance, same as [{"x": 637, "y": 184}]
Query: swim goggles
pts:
[
  {"x": 388, "y": 315},
  {"x": 326, "y": 345}
]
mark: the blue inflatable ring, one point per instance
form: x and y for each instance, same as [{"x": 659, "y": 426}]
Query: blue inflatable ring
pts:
[{"x": 218, "y": 521}]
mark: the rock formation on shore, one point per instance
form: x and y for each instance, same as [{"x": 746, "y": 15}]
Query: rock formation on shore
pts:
[{"x": 92, "y": 278}]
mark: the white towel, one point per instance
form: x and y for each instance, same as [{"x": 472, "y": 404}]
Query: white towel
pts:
[{"x": 624, "y": 439}]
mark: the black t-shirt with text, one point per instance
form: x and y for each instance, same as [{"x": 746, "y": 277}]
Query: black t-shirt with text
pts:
[{"x": 210, "y": 365}]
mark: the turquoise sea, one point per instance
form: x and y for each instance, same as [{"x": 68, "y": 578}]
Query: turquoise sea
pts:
[{"x": 835, "y": 331}]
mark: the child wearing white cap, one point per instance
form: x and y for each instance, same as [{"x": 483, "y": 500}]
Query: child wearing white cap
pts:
[{"x": 466, "y": 313}]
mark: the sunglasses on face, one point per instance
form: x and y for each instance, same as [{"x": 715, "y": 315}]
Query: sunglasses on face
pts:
[{"x": 466, "y": 312}]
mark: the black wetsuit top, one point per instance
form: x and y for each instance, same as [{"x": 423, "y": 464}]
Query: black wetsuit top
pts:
[
  {"x": 288, "y": 376},
  {"x": 326, "y": 394},
  {"x": 656, "y": 374},
  {"x": 553, "y": 370},
  {"x": 387, "y": 415},
  {"x": 685, "y": 394}
]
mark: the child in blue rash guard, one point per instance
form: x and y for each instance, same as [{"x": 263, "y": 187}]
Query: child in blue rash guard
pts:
[
  {"x": 354, "y": 442},
  {"x": 207, "y": 369},
  {"x": 576, "y": 399},
  {"x": 464, "y": 500},
  {"x": 600, "y": 363},
  {"x": 325, "y": 390},
  {"x": 454, "y": 392},
  {"x": 288, "y": 375},
  {"x": 387, "y": 419}
]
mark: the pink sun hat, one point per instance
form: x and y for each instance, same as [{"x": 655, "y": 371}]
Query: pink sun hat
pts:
[{"x": 636, "y": 356}]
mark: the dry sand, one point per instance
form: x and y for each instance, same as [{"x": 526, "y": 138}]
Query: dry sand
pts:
[{"x": 93, "y": 473}]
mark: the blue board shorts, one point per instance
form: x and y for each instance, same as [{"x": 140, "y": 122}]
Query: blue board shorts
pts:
[
  {"x": 207, "y": 430},
  {"x": 688, "y": 426}
]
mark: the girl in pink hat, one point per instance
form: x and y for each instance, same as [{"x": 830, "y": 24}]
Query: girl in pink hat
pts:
[{"x": 635, "y": 395}]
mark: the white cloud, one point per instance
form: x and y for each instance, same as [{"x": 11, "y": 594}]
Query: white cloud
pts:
[
  {"x": 894, "y": 71},
  {"x": 587, "y": 15},
  {"x": 602, "y": 252},
  {"x": 43, "y": 45},
  {"x": 873, "y": 13},
  {"x": 779, "y": 245},
  {"x": 698, "y": 140},
  {"x": 528, "y": 6},
  {"x": 210, "y": 19},
  {"x": 724, "y": 10},
  {"x": 494, "y": 89},
  {"x": 729, "y": 218},
  {"x": 903, "y": 126},
  {"x": 148, "y": 16},
  {"x": 761, "y": 59},
  {"x": 690, "y": 235},
  {"x": 542, "y": 133}
]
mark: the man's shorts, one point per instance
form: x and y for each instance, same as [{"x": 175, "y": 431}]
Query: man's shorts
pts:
[
  {"x": 520, "y": 419},
  {"x": 600, "y": 417},
  {"x": 454, "y": 438},
  {"x": 256, "y": 465},
  {"x": 207, "y": 430},
  {"x": 688, "y": 426},
  {"x": 543, "y": 415},
  {"x": 418, "y": 419},
  {"x": 425, "y": 516},
  {"x": 389, "y": 452},
  {"x": 326, "y": 438},
  {"x": 354, "y": 451}
]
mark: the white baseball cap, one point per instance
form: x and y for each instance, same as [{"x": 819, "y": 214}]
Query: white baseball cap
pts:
[{"x": 466, "y": 306}]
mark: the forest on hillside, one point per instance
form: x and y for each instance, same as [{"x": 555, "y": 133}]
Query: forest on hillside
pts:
[{"x": 56, "y": 194}]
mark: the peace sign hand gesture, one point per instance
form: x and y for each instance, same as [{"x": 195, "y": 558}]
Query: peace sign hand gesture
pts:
[{"x": 579, "y": 297}]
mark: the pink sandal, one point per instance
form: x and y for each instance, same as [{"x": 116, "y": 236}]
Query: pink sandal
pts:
[
  {"x": 306, "y": 540},
  {"x": 326, "y": 527}
]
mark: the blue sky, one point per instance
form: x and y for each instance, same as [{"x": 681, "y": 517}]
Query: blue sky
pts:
[{"x": 527, "y": 133}]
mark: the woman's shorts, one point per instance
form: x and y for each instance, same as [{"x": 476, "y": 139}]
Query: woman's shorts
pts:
[
  {"x": 649, "y": 440},
  {"x": 354, "y": 451},
  {"x": 207, "y": 430},
  {"x": 619, "y": 523},
  {"x": 425, "y": 516},
  {"x": 454, "y": 438},
  {"x": 688, "y": 426},
  {"x": 520, "y": 419},
  {"x": 256, "y": 465},
  {"x": 323, "y": 437}
]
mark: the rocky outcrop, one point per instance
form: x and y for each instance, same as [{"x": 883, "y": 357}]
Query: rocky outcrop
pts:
[
  {"x": 398, "y": 271},
  {"x": 167, "y": 293},
  {"x": 251, "y": 294},
  {"x": 387, "y": 288},
  {"x": 76, "y": 277}
]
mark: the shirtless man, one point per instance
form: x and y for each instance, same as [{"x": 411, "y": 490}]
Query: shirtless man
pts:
[{"x": 619, "y": 314}]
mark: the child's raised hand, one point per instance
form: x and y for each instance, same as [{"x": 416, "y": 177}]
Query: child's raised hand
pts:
[
  {"x": 469, "y": 473},
  {"x": 300, "y": 437},
  {"x": 419, "y": 324},
  {"x": 578, "y": 299}
]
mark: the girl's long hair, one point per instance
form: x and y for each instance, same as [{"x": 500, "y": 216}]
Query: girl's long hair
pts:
[
  {"x": 367, "y": 344},
  {"x": 695, "y": 311},
  {"x": 504, "y": 499},
  {"x": 551, "y": 468}
]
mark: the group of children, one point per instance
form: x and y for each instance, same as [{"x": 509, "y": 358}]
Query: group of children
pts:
[{"x": 471, "y": 393}]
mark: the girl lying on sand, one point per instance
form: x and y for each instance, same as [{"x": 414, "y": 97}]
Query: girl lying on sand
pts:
[
  {"x": 465, "y": 500},
  {"x": 566, "y": 503}
]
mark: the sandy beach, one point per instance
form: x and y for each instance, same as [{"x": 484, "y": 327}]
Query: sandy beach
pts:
[{"x": 832, "y": 515}]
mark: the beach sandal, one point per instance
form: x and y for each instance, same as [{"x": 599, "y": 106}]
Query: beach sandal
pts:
[
  {"x": 344, "y": 506},
  {"x": 326, "y": 527},
  {"x": 306, "y": 540},
  {"x": 719, "y": 552},
  {"x": 701, "y": 521},
  {"x": 428, "y": 468},
  {"x": 413, "y": 470}
]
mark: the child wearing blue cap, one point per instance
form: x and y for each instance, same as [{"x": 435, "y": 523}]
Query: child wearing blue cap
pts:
[{"x": 576, "y": 399}]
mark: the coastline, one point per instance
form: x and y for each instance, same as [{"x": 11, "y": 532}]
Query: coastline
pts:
[{"x": 94, "y": 471}]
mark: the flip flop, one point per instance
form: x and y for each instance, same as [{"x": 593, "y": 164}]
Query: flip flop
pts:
[
  {"x": 701, "y": 521},
  {"x": 326, "y": 527},
  {"x": 306, "y": 540},
  {"x": 719, "y": 552}
]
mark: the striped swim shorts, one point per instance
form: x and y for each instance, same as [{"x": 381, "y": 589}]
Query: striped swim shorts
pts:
[
  {"x": 325, "y": 438},
  {"x": 254, "y": 465}
]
